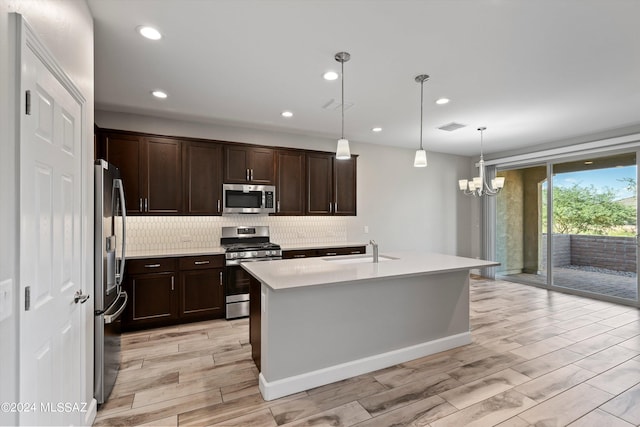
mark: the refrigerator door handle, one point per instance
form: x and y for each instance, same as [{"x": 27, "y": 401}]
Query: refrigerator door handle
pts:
[
  {"x": 123, "y": 206},
  {"x": 108, "y": 318}
]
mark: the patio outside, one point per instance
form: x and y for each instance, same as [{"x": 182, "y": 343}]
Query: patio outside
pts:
[{"x": 594, "y": 226}]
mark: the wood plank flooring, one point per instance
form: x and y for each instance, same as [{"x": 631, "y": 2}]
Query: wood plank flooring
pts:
[{"x": 538, "y": 358}]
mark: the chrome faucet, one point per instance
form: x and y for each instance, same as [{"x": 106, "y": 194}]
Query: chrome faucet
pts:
[{"x": 374, "y": 245}]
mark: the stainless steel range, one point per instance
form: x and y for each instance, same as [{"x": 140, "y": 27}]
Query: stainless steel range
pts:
[{"x": 244, "y": 244}]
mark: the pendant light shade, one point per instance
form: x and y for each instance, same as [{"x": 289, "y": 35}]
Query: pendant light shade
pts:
[
  {"x": 342, "y": 150},
  {"x": 420, "y": 160}
]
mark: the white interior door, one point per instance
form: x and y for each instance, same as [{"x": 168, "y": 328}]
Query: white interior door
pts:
[{"x": 50, "y": 247}]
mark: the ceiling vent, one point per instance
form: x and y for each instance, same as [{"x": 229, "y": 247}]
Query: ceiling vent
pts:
[
  {"x": 450, "y": 127},
  {"x": 334, "y": 105}
]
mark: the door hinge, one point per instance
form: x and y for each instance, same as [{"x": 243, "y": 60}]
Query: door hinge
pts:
[
  {"x": 27, "y": 298},
  {"x": 27, "y": 107}
]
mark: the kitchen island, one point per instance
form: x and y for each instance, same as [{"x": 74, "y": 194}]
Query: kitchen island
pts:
[{"x": 320, "y": 320}]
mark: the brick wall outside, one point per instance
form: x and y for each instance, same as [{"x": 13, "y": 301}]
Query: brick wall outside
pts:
[{"x": 613, "y": 253}]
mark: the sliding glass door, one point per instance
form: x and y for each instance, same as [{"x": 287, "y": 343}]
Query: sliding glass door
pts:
[
  {"x": 571, "y": 226},
  {"x": 594, "y": 226}
]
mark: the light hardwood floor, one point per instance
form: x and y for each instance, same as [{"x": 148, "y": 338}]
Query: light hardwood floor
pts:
[{"x": 538, "y": 358}]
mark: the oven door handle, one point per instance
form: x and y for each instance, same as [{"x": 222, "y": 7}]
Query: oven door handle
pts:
[{"x": 233, "y": 262}]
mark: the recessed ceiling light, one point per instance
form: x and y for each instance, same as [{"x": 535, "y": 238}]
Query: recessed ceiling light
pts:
[
  {"x": 442, "y": 101},
  {"x": 149, "y": 32},
  {"x": 376, "y": 129},
  {"x": 159, "y": 94},
  {"x": 286, "y": 114},
  {"x": 330, "y": 75}
]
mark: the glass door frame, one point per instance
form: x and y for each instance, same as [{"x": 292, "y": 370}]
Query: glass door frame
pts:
[{"x": 489, "y": 221}]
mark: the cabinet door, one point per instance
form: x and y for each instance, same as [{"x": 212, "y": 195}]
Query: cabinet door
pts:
[
  {"x": 203, "y": 178},
  {"x": 236, "y": 165},
  {"x": 123, "y": 151},
  {"x": 249, "y": 165},
  {"x": 163, "y": 180},
  {"x": 153, "y": 299},
  {"x": 344, "y": 186},
  {"x": 261, "y": 166},
  {"x": 290, "y": 183},
  {"x": 319, "y": 188},
  {"x": 202, "y": 293}
]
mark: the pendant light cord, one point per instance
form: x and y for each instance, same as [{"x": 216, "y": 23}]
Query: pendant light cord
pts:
[
  {"x": 421, "y": 107},
  {"x": 342, "y": 103}
]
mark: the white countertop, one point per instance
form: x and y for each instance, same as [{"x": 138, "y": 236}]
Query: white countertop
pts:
[
  {"x": 165, "y": 253},
  {"x": 218, "y": 250},
  {"x": 296, "y": 273}
]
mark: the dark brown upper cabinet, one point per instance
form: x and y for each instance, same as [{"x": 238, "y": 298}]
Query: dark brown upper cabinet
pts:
[
  {"x": 202, "y": 169},
  {"x": 151, "y": 170},
  {"x": 331, "y": 185},
  {"x": 249, "y": 165},
  {"x": 125, "y": 152},
  {"x": 290, "y": 187}
]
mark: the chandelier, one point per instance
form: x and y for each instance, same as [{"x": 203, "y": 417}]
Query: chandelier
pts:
[{"x": 478, "y": 185}]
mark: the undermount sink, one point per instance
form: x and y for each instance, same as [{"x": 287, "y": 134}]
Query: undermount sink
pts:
[{"x": 358, "y": 259}]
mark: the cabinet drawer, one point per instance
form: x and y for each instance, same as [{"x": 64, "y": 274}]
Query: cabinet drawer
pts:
[
  {"x": 150, "y": 265},
  {"x": 300, "y": 253},
  {"x": 341, "y": 251},
  {"x": 198, "y": 262}
]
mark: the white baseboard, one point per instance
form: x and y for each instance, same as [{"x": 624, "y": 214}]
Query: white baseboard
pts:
[
  {"x": 91, "y": 413},
  {"x": 283, "y": 387}
]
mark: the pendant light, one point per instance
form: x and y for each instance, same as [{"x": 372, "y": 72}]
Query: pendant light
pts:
[
  {"x": 420, "y": 161},
  {"x": 342, "y": 151}
]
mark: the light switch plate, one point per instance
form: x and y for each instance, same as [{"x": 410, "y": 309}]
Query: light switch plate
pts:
[{"x": 6, "y": 299}]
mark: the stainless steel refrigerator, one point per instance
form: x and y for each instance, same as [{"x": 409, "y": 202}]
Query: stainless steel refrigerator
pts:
[{"x": 109, "y": 261}]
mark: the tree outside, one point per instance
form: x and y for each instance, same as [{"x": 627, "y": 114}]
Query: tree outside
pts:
[{"x": 586, "y": 210}]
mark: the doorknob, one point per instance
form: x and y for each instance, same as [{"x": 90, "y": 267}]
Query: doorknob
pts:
[{"x": 79, "y": 297}]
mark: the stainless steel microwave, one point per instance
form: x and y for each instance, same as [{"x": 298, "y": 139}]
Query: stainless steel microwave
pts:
[{"x": 248, "y": 199}]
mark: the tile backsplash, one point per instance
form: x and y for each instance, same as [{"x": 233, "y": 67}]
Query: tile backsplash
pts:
[{"x": 190, "y": 232}]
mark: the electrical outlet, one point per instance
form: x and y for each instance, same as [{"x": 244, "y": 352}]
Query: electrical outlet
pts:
[
  {"x": 185, "y": 238},
  {"x": 366, "y": 229},
  {"x": 6, "y": 299}
]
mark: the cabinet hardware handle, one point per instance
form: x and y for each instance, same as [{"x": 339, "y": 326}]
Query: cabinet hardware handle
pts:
[
  {"x": 140, "y": 204},
  {"x": 146, "y": 204},
  {"x": 221, "y": 278},
  {"x": 172, "y": 283},
  {"x": 201, "y": 262},
  {"x": 251, "y": 175},
  {"x": 331, "y": 253},
  {"x": 329, "y": 207},
  {"x": 278, "y": 208},
  {"x": 247, "y": 175},
  {"x": 151, "y": 265},
  {"x": 218, "y": 205},
  {"x": 300, "y": 256},
  {"x": 335, "y": 207},
  {"x": 355, "y": 252}
]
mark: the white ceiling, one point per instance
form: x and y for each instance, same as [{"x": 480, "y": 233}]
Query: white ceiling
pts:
[{"x": 532, "y": 72}]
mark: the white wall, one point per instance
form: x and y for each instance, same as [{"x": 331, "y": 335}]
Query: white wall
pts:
[
  {"x": 66, "y": 28},
  {"x": 405, "y": 208}
]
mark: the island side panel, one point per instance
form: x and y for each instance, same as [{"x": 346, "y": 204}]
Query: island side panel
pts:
[
  {"x": 255, "y": 319},
  {"x": 305, "y": 330}
]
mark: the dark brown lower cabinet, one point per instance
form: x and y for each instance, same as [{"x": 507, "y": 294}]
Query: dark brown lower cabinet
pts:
[
  {"x": 202, "y": 294},
  {"x": 255, "y": 319},
  {"x": 152, "y": 298},
  {"x": 308, "y": 253},
  {"x": 166, "y": 291}
]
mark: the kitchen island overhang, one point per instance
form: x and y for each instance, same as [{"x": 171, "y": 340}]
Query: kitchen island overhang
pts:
[{"x": 321, "y": 320}]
